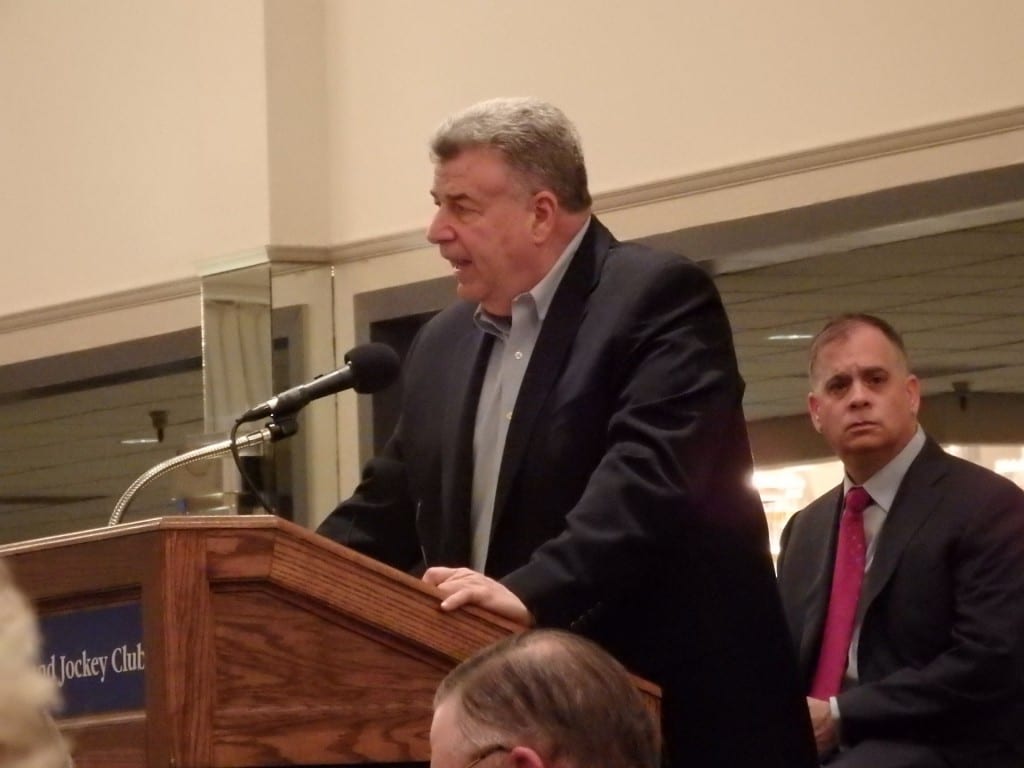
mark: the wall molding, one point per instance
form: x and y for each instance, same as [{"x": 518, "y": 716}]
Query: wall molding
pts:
[
  {"x": 111, "y": 302},
  {"x": 293, "y": 256},
  {"x": 285, "y": 260},
  {"x": 828, "y": 156}
]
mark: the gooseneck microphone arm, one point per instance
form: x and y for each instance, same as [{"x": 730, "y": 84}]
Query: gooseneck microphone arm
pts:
[
  {"x": 369, "y": 367},
  {"x": 271, "y": 433}
]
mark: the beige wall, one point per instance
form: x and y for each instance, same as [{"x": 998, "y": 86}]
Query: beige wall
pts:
[
  {"x": 297, "y": 127},
  {"x": 143, "y": 141},
  {"x": 144, "y": 137},
  {"x": 659, "y": 88},
  {"x": 133, "y": 145}
]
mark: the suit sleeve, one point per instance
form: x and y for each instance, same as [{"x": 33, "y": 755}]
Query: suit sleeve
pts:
[
  {"x": 980, "y": 673},
  {"x": 378, "y": 520},
  {"x": 675, "y": 440}
]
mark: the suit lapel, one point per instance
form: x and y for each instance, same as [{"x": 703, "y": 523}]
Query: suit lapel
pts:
[
  {"x": 917, "y": 497},
  {"x": 560, "y": 327},
  {"x": 464, "y": 378},
  {"x": 824, "y": 527}
]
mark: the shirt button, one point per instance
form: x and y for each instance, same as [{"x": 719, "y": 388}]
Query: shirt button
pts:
[
  {"x": 518, "y": 355},
  {"x": 508, "y": 416}
]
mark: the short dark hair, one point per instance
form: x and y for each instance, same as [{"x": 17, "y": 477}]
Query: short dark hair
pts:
[
  {"x": 557, "y": 693},
  {"x": 840, "y": 326},
  {"x": 535, "y": 138}
]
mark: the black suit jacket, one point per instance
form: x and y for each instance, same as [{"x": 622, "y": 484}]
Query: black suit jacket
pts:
[
  {"x": 941, "y": 653},
  {"x": 623, "y": 509}
]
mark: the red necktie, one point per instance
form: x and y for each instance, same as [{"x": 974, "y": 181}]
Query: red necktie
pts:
[{"x": 842, "y": 603}]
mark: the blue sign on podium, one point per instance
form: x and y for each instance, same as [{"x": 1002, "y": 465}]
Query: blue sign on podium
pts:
[{"x": 96, "y": 657}]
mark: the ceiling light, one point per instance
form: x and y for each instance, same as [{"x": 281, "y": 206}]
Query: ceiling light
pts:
[{"x": 790, "y": 337}]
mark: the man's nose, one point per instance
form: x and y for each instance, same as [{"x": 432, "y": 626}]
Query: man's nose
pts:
[
  {"x": 439, "y": 231},
  {"x": 858, "y": 392}
]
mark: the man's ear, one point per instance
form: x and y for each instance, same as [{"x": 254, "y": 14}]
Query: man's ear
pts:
[
  {"x": 545, "y": 214},
  {"x": 813, "y": 405},
  {"x": 525, "y": 757},
  {"x": 914, "y": 393}
]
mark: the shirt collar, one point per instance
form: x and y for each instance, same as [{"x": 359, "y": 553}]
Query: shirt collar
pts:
[
  {"x": 883, "y": 485},
  {"x": 543, "y": 293}
]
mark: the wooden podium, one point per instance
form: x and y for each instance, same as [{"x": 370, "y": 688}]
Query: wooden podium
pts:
[{"x": 265, "y": 644}]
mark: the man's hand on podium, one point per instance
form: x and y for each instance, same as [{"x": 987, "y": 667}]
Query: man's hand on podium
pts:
[{"x": 463, "y": 586}]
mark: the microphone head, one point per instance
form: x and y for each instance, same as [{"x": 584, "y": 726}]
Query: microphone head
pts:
[{"x": 374, "y": 366}]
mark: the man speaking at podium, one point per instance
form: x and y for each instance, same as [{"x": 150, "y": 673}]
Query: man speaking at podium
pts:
[{"x": 571, "y": 450}]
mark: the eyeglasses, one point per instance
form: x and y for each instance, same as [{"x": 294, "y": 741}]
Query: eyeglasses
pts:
[{"x": 485, "y": 753}]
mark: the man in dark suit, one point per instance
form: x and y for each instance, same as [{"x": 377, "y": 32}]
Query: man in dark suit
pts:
[
  {"x": 930, "y": 671},
  {"x": 571, "y": 450}
]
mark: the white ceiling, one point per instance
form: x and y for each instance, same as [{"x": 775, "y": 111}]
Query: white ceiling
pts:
[{"x": 957, "y": 298}]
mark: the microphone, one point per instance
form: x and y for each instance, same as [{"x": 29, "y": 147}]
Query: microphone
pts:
[{"x": 370, "y": 367}]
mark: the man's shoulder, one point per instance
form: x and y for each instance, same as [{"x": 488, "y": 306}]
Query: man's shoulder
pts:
[
  {"x": 448, "y": 333},
  {"x": 805, "y": 533},
  {"x": 633, "y": 255},
  {"x": 817, "y": 510},
  {"x": 631, "y": 268},
  {"x": 967, "y": 477},
  {"x": 457, "y": 316}
]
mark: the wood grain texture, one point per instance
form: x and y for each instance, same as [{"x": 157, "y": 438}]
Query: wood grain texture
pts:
[
  {"x": 364, "y": 698},
  {"x": 183, "y": 693},
  {"x": 266, "y": 645},
  {"x": 107, "y": 741}
]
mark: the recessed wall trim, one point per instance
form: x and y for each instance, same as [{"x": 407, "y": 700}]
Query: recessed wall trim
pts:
[
  {"x": 795, "y": 163},
  {"x": 119, "y": 300},
  {"x": 938, "y": 134}
]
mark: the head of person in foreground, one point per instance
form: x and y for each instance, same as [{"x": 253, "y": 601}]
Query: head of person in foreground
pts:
[
  {"x": 541, "y": 699},
  {"x": 28, "y": 736}
]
